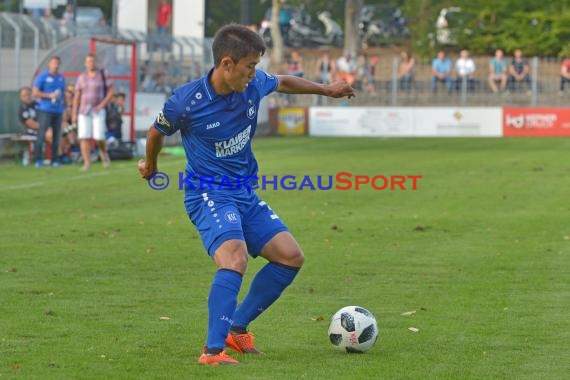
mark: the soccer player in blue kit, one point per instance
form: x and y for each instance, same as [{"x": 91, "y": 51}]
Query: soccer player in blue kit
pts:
[{"x": 217, "y": 117}]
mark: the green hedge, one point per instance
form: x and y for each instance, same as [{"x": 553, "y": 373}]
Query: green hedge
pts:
[{"x": 9, "y": 104}]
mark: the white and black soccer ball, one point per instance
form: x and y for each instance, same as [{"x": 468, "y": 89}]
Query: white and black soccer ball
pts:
[{"x": 353, "y": 329}]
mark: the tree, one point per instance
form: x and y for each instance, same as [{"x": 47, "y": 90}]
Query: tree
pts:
[
  {"x": 277, "y": 39},
  {"x": 351, "y": 15}
]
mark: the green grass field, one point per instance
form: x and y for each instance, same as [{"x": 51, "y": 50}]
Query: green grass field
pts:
[{"x": 89, "y": 262}]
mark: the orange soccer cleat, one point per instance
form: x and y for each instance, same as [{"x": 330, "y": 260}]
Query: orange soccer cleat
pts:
[
  {"x": 218, "y": 359},
  {"x": 242, "y": 343}
]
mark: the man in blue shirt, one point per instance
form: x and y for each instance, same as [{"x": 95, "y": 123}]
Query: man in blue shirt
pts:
[
  {"x": 49, "y": 88},
  {"x": 217, "y": 118},
  {"x": 441, "y": 69},
  {"x": 285, "y": 16}
]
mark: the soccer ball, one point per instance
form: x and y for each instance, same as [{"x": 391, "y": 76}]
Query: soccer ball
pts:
[{"x": 353, "y": 329}]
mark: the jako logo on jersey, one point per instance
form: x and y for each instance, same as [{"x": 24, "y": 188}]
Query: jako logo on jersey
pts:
[
  {"x": 233, "y": 145},
  {"x": 213, "y": 125}
]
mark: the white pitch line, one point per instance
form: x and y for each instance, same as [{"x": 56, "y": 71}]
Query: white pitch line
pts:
[{"x": 121, "y": 168}]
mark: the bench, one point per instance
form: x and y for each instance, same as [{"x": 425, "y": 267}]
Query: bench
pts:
[{"x": 25, "y": 144}]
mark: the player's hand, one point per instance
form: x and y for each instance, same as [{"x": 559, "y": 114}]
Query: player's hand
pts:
[
  {"x": 144, "y": 169},
  {"x": 340, "y": 90}
]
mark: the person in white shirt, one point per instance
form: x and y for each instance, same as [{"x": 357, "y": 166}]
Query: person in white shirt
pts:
[
  {"x": 346, "y": 68},
  {"x": 465, "y": 68}
]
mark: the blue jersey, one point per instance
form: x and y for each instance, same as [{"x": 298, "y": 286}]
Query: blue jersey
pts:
[
  {"x": 216, "y": 129},
  {"x": 48, "y": 83}
]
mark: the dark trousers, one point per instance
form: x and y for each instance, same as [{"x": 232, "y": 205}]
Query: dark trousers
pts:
[
  {"x": 47, "y": 120},
  {"x": 563, "y": 82}
]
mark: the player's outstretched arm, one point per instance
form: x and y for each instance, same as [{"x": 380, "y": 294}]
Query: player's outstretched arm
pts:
[
  {"x": 154, "y": 142},
  {"x": 294, "y": 85}
]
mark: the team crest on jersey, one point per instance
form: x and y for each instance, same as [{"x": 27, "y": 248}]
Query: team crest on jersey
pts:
[
  {"x": 161, "y": 120},
  {"x": 251, "y": 111}
]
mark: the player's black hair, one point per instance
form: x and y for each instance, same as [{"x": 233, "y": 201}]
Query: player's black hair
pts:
[{"x": 236, "y": 41}]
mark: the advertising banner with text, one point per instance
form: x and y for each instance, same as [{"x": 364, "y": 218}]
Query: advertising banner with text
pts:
[
  {"x": 405, "y": 121},
  {"x": 519, "y": 121}
]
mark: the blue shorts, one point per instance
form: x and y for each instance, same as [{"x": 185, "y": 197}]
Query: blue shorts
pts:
[{"x": 221, "y": 216}]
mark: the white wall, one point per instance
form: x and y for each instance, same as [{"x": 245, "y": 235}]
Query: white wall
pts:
[
  {"x": 132, "y": 15},
  {"x": 188, "y": 18}
]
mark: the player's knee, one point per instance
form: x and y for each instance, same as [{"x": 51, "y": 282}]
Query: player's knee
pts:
[
  {"x": 237, "y": 263},
  {"x": 232, "y": 255},
  {"x": 297, "y": 258}
]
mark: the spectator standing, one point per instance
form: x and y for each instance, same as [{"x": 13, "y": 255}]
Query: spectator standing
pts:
[
  {"x": 93, "y": 91},
  {"x": 325, "y": 68},
  {"x": 465, "y": 68},
  {"x": 366, "y": 71},
  {"x": 441, "y": 68},
  {"x": 163, "y": 21},
  {"x": 67, "y": 21},
  {"x": 498, "y": 72},
  {"x": 564, "y": 73},
  {"x": 49, "y": 87},
  {"x": 519, "y": 72},
  {"x": 285, "y": 16}
]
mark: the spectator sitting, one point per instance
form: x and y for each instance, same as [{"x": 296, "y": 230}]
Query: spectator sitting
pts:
[
  {"x": 27, "y": 114},
  {"x": 346, "y": 68},
  {"x": 498, "y": 72},
  {"x": 465, "y": 68},
  {"x": 114, "y": 133},
  {"x": 564, "y": 73},
  {"x": 406, "y": 71},
  {"x": 326, "y": 68},
  {"x": 519, "y": 72},
  {"x": 441, "y": 69},
  {"x": 69, "y": 148}
]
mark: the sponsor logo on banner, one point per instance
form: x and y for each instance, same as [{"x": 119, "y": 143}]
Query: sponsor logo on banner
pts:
[
  {"x": 291, "y": 121},
  {"x": 536, "y": 121}
]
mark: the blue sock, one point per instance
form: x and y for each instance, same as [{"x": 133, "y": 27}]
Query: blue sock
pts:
[
  {"x": 266, "y": 287},
  {"x": 221, "y": 306}
]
